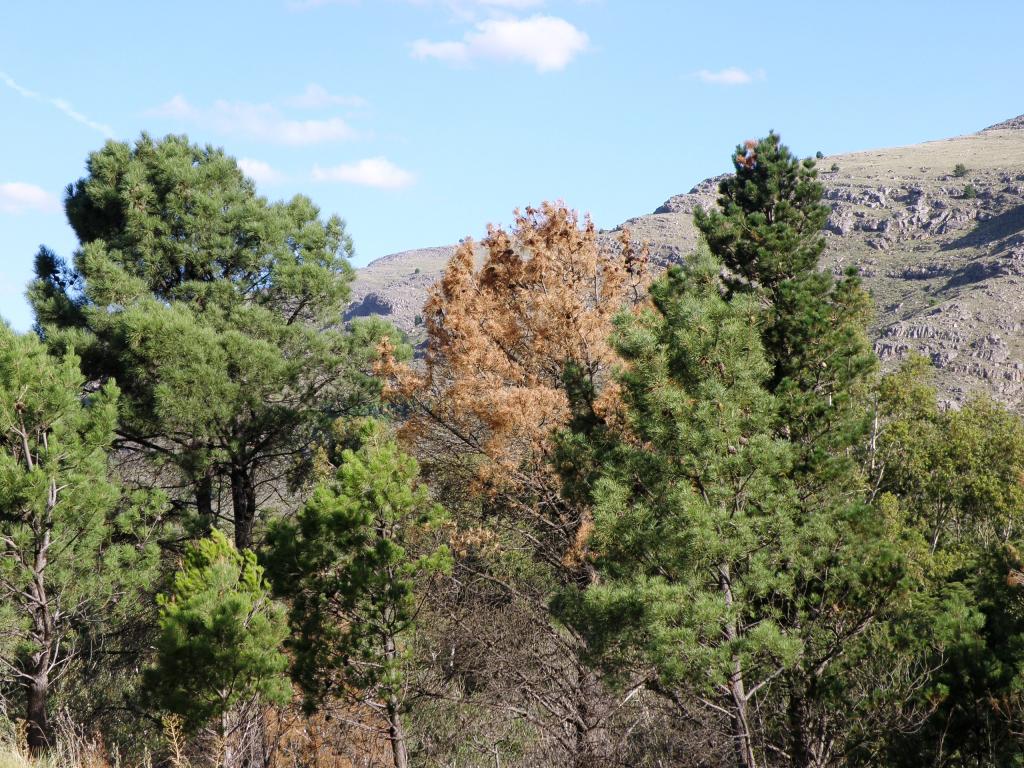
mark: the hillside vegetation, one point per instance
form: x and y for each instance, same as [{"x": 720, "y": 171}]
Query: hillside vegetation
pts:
[{"x": 643, "y": 498}]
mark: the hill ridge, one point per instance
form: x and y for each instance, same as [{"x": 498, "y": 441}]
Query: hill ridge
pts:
[{"x": 941, "y": 251}]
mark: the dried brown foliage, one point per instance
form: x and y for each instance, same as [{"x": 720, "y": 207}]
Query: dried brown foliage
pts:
[
  {"x": 500, "y": 337},
  {"x": 481, "y": 411}
]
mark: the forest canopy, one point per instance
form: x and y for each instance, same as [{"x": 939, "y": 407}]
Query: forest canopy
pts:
[{"x": 609, "y": 512}]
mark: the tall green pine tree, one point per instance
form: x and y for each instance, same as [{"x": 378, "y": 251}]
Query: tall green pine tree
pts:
[{"x": 217, "y": 313}]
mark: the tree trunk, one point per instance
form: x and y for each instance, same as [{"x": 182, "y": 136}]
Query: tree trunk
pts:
[
  {"x": 809, "y": 746},
  {"x": 204, "y": 502},
  {"x": 38, "y": 687},
  {"x": 742, "y": 741},
  {"x": 243, "y": 502},
  {"x": 35, "y": 716},
  {"x": 797, "y": 711},
  {"x": 396, "y": 734}
]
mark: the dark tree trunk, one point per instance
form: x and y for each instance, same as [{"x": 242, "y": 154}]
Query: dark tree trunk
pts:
[
  {"x": 35, "y": 715},
  {"x": 798, "y": 751},
  {"x": 204, "y": 502},
  {"x": 243, "y": 502}
]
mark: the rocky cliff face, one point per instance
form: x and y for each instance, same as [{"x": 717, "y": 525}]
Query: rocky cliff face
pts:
[{"x": 942, "y": 253}]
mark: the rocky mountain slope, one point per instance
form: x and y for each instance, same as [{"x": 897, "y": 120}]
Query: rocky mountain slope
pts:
[{"x": 941, "y": 252}]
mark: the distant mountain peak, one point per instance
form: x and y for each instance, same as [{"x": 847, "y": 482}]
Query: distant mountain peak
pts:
[{"x": 1013, "y": 124}]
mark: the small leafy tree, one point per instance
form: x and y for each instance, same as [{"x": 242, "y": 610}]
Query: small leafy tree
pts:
[
  {"x": 220, "y": 644},
  {"x": 350, "y": 563},
  {"x": 956, "y": 476},
  {"x": 71, "y": 553},
  {"x": 970, "y": 192},
  {"x": 959, "y": 170}
]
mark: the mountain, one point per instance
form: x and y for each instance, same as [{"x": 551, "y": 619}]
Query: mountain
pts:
[{"x": 940, "y": 248}]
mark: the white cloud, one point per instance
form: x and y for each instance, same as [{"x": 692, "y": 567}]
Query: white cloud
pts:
[
  {"x": 60, "y": 104},
  {"x": 19, "y": 197},
  {"x": 316, "y": 96},
  {"x": 372, "y": 172},
  {"x": 729, "y": 76},
  {"x": 259, "y": 121},
  {"x": 259, "y": 171},
  {"x": 547, "y": 42}
]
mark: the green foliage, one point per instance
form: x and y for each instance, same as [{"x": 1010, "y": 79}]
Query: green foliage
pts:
[
  {"x": 73, "y": 553},
  {"x": 693, "y": 511},
  {"x": 349, "y": 564},
  {"x": 217, "y": 313},
  {"x": 769, "y": 234},
  {"x": 956, "y": 477},
  {"x": 819, "y": 155},
  {"x": 959, "y": 170},
  {"x": 834, "y": 168},
  {"x": 220, "y": 636},
  {"x": 769, "y": 228},
  {"x": 969, "y": 192}
]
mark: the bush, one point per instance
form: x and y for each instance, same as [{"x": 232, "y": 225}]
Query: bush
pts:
[
  {"x": 969, "y": 192},
  {"x": 959, "y": 170},
  {"x": 835, "y": 167},
  {"x": 819, "y": 154}
]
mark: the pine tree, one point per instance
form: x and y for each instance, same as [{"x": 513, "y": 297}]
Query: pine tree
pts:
[
  {"x": 219, "y": 649},
  {"x": 216, "y": 312},
  {"x": 508, "y": 337},
  {"x": 693, "y": 511},
  {"x": 848, "y": 572},
  {"x": 349, "y": 564},
  {"x": 768, "y": 232},
  {"x": 72, "y": 551}
]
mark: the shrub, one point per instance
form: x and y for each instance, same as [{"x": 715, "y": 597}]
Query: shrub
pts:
[
  {"x": 819, "y": 154},
  {"x": 969, "y": 192},
  {"x": 959, "y": 170},
  {"x": 835, "y": 167}
]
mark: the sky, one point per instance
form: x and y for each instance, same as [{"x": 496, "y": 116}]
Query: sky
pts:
[{"x": 421, "y": 121}]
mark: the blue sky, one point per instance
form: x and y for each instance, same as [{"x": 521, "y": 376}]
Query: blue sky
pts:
[{"x": 420, "y": 121}]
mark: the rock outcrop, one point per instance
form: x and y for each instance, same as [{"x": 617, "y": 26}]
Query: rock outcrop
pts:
[{"x": 940, "y": 249}]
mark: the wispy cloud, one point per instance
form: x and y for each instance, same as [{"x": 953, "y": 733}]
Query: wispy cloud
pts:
[
  {"x": 58, "y": 103},
  {"x": 258, "y": 121},
  {"x": 18, "y": 197},
  {"x": 316, "y": 97},
  {"x": 372, "y": 172},
  {"x": 729, "y": 76},
  {"x": 259, "y": 171},
  {"x": 548, "y": 43}
]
